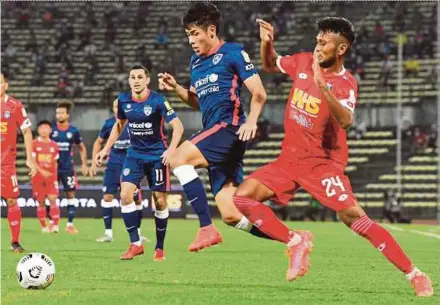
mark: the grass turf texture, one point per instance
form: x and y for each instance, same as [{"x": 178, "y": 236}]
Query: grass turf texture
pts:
[{"x": 243, "y": 270}]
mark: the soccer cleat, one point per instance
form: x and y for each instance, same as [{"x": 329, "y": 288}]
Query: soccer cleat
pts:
[
  {"x": 159, "y": 255},
  {"x": 54, "y": 229},
  {"x": 143, "y": 239},
  {"x": 104, "y": 239},
  {"x": 16, "y": 247},
  {"x": 299, "y": 256},
  {"x": 133, "y": 251},
  {"x": 206, "y": 237},
  {"x": 422, "y": 285},
  {"x": 71, "y": 230},
  {"x": 45, "y": 230}
]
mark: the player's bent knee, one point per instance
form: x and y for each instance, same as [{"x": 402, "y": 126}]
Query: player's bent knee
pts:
[
  {"x": 70, "y": 195},
  {"x": 161, "y": 203},
  {"x": 11, "y": 201},
  {"x": 351, "y": 214},
  {"x": 231, "y": 219},
  {"x": 108, "y": 197}
]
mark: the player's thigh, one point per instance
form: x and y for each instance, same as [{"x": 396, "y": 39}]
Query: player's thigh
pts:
[
  {"x": 52, "y": 187},
  {"x": 9, "y": 184},
  {"x": 132, "y": 174},
  {"x": 188, "y": 154},
  {"x": 112, "y": 179},
  {"x": 158, "y": 176},
  {"x": 68, "y": 180},
  {"x": 39, "y": 188},
  {"x": 160, "y": 200},
  {"x": 272, "y": 181},
  {"x": 52, "y": 199},
  {"x": 327, "y": 183}
]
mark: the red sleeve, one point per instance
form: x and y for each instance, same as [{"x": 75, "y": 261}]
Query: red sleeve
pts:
[
  {"x": 56, "y": 154},
  {"x": 289, "y": 64},
  {"x": 347, "y": 93},
  {"x": 23, "y": 120}
]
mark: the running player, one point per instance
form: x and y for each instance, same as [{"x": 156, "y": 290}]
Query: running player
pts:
[
  {"x": 218, "y": 70},
  {"x": 66, "y": 136},
  {"x": 314, "y": 151},
  {"x": 45, "y": 182},
  {"x": 13, "y": 116},
  {"x": 112, "y": 175},
  {"x": 145, "y": 113}
]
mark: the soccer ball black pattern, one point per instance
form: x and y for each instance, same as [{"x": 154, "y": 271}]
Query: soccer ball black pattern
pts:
[{"x": 35, "y": 271}]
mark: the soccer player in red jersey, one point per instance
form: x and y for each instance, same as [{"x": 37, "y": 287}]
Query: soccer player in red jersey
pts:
[
  {"x": 45, "y": 182},
  {"x": 13, "y": 116},
  {"x": 314, "y": 151}
]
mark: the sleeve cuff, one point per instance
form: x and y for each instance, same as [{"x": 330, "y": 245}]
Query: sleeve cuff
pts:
[{"x": 278, "y": 61}]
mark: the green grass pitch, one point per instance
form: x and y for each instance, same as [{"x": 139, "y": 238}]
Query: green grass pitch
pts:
[{"x": 243, "y": 270}]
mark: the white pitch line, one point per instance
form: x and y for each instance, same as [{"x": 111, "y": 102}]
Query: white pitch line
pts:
[{"x": 392, "y": 227}]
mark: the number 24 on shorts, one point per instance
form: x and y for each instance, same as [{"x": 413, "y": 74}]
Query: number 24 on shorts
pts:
[{"x": 331, "y": 184}]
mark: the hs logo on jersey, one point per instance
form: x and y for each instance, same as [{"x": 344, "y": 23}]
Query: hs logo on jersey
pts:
[
  {"x": 216, "y": 59},
  {"x": 148, "y": 110},
  {"x": 303, "y": 101}
]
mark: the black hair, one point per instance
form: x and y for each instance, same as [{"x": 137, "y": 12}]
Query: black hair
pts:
[
  {"x": 44, "y": 122},
  {"x": 202, "y": 14},
  {"x": 140, "y": 67},
  {"x": 5, "y": 75},
  {"x": 67, "y": 105},
  {"x": 338, "y": 25}
]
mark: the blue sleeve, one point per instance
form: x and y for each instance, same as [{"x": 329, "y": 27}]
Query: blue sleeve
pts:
[
  {"x": 166, "y": 110},
  {"x": 105, "y": 132},
  {"x": 121, "y": 114},
  {"x": 241, "y": 64},
  {"x": 78, "y": 139}
]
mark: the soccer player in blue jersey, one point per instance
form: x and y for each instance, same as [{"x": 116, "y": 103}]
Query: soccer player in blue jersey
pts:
[
  {"x": 145, "y": 112},
  {"x": 112, "y": 174},
  {"x": 66, "y": 136},
  {"x": 218, "y": 70}
]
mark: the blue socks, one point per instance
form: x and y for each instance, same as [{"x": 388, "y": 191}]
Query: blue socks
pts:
[
  {"x": 195, "y": 192},
  {"x": 107, "y": 214},
  {"x": 139, "y": 214},
  {"x": 161, "y": 221},
  {"x": 129, "y": 213}
]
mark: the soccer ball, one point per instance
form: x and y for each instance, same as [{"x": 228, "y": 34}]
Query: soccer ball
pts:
[{"x": 35, "y": 271}]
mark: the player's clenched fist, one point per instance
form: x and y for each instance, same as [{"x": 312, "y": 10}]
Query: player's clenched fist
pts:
[
  {"x": 167, "y": 82},
  {"x": 266, "y": 30}
]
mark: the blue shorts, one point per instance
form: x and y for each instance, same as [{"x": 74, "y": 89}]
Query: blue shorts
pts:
[
  {"x": 158, "y": 174},
  {"x": 68, "y": 179},
  {"x": 224, "y": 152},
  {"x": 112, "y": 180}
]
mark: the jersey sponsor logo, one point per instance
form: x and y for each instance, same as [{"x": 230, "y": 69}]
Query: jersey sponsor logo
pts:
[
  {"x": 245, "y": 56},
  {"x": 306, "y": 103},
  {"x": 128, "y": 108},
  {"x": 39, "y": 148},
  {"x": 170, "y": 110},
  {"x": 141, "y": 129},
  {"x": 249, "y": 67},
  {"x": 302, "y": 76},
  {"x": 148, "y": 110},
  {"x": 206, "y": 80},
  {"x": 208, "y": 83},
  {"x": 63, "y": 146},
  {"x": 7, "y": 114},
  {"x": 4, "y": 127},
  {"x": 44, "y": 158},
  {"x": 216, "y": 59},
  {"x": 122, "y": 144},
  {"x": 301, "y": 119}
]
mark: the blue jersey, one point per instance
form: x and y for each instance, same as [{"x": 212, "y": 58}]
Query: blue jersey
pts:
[
  {"x": 119, "y": 149},
  {"x": 65, "y": 138},
  {"x": 145, "y": 121},
  {"x": 217, "y": 79}
]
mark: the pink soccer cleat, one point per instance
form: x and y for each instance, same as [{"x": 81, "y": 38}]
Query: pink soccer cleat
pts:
[
  {"x": 299, "y": 262},
  {"x": 422, "y": 285},
  {"x": 206, "y": 237}
]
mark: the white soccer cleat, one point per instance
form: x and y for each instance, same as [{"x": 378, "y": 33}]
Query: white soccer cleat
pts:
[
  {"x": 143, "y": 239},
  {"x": 104, "y": 239},
  {"x": 54, "y": 229},
  {"x": 45, "y": 230}
]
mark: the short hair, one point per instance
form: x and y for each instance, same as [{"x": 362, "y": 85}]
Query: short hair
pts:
[
  {"x": 67, "y": 105},
  {"x": 202, "y": 14},
  {"x": 140, "y": 67},
  {"x": 338, "y": 25},
  {"x": 5, "y": 75},
  {"x": 44, "y": 122}
]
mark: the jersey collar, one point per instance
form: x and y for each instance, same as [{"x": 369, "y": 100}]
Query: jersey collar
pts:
[
  {"x": 6, "y": 98},
  {"x": 61, "y": 128},
  {"x": 215, "y": 50},
  {"x": 140, "y": 100}
]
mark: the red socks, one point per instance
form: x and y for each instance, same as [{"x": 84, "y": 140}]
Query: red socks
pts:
[
  {"x": 41, "y": 215},
  {"x": 14, "y": 219},
  {"x": 263, "y": 218},
  {"x": 55, "y": 214},
  {"x": 383, "y": 241}
]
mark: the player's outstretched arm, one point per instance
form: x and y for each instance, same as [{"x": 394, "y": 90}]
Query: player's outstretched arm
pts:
[
  {"x": 114, "y": 135},
  {"x": 168, "y": 82},
  {"x": 343, "y": 115},
  {"x": 177, "y": 126},
  {"x": 28, "y": 143},
  {"x": 267, "y": 51},
  {"x": 97, "y": 147},
  {"x": 248, "y": 130}
]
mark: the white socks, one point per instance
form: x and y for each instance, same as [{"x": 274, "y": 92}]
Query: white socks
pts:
[
  {"x": 109, "y": 232},
  {"x": 294, "y": 240},
  {"x": 185, "y": 174},
  {"x": 244, "y": 224}
]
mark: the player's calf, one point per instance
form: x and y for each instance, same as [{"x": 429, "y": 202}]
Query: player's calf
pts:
[
  {"x": 42, "y": 215},
  {"x": 160, "y": 219},
  {"x": 382, "y": 240},
  {"x": 14, "y": 220}
]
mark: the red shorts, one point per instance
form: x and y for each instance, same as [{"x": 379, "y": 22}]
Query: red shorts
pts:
[
  {"x": 43, "y": 187},
  {"x": 322, "y": 178},
  {"x": 9, "y": 184}
]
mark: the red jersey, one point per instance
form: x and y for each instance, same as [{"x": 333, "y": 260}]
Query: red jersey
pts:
[
  {"x": 13, "y": 116},
  {"x": 310, "y": 128},
  {"x": 46, "y": 154}
]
